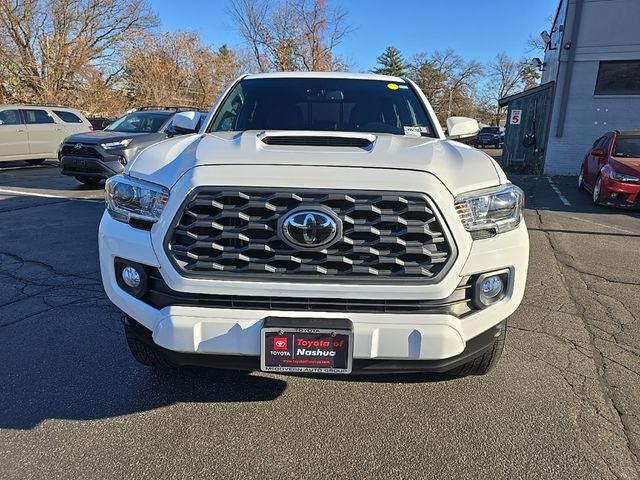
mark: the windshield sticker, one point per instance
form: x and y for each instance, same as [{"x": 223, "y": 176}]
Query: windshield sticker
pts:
[
  {"x": 416, "y": 131},
  {"x": 392, "y": 86},
  {"x": 406, "y": 87}
]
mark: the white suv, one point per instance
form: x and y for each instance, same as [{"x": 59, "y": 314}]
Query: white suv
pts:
[
  {"x": 319, "y": 222},
  {"x": 34, "y": 133}
]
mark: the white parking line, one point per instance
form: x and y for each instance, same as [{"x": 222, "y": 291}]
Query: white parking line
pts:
[
  {"x": 563, "y": 199},
  {"x": 47, "y": 195},
  {"x": 25, "y": 167}
]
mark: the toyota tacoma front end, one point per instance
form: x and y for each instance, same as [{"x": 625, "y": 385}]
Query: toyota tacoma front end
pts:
[{"x": 317, "y": 223}]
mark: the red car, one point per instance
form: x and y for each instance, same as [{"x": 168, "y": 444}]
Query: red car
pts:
[{"x": 611, "y": 170}]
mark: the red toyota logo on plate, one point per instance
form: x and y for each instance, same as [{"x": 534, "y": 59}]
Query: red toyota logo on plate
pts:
[{"x": 280, "y": 343}]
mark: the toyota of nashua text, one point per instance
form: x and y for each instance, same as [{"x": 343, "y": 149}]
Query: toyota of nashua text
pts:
[{"x": 315, "y": 222}]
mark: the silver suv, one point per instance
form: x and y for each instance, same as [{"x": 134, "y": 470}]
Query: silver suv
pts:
[{"x": 34, "y": 133}]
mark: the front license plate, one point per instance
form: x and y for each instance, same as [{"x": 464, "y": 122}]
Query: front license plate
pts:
[{"x": 306, "y": 349}]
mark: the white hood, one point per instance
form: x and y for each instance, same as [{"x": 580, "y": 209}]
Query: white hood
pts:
[{"x": 459, "y": 167}]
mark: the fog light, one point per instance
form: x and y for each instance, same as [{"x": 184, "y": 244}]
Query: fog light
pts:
[
  {"x": 131, "y": 276},
  {"x": 491, "y": 287}
]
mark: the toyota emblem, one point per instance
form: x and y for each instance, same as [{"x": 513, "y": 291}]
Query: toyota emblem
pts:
[
  {"x": 310, "y": 228},
  {"x": 77, "y": 146}
]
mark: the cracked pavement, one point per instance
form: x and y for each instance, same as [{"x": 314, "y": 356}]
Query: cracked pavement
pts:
[{"x": 563, "y": 402}]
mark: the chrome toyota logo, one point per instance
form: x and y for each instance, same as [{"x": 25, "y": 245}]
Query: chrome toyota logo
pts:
[
  {"x": 77, "y": 146},
  {"x": 310, "y": 228}
]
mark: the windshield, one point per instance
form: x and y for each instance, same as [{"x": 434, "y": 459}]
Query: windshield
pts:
[
  {"x": 495, "y": 130},
  {"x": 627, "y": 147},
  {"x": 139, "y": 123},
  {"x": 323, "y": 104}
]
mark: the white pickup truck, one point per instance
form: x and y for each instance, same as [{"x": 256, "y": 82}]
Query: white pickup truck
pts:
[{"x": 317, "y": 222}]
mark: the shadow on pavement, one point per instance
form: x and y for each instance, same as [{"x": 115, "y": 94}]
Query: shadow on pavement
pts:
[
  {"x": 45, "y": 179},
  {"x": 406, "y": 378},
  {"x": 89, "y": 376}
]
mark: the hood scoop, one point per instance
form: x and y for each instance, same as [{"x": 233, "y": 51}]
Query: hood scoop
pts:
[{"x": 314, "y": 139}]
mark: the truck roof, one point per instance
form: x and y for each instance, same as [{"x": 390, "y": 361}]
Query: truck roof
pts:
[{"x": 344, "y": 75}]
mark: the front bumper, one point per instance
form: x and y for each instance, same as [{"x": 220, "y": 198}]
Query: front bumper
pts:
[
  {"x": 401, "y": 338},
  {"x": 620, "y": 194},
  {"x": 489, "y": 141},
  {"x": 473, "y": 348},
  {"x": 98, "y": 164}
]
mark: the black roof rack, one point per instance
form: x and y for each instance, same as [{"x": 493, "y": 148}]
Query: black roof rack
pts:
[{"x": 173, "y": 109}]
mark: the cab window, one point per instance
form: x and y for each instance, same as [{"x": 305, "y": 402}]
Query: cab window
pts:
[
  {"x": 10, "y": 117},
  {"x": 37, "y": 117},
  {"x": 67, "y": 117}
]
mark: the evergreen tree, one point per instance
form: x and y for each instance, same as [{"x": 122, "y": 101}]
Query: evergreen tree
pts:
[{"x": 392, "y": 63}]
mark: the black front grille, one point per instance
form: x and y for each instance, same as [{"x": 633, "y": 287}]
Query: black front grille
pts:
[
  {"x": 84, "y": 152},
  {"x": 83, "y": 169},
  {"x": 159, "y": 295},
  {"x": 317, "y": 141},
  {"x": 226, "y": 232}
]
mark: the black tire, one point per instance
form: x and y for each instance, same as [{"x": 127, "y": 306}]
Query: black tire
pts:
[
  {"x": 89, "y": 180},
  {"x": 484, "y": 363},
  {"x": 39, "y": 161},
  {"x": 147, "y": 355}
]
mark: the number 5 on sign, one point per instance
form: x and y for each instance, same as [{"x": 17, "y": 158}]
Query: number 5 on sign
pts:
[{"x": 516, "y": 116}]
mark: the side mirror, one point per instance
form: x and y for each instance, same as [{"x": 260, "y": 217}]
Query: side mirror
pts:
[
  {"x": 597, "y": 152},
  {"x": 185, "y": 122}
]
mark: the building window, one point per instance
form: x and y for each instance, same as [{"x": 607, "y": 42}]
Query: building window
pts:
[{"x": 619, "y": 78}]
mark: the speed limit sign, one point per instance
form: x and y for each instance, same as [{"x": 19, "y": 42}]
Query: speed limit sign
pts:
[{"x": 516, "y": 116}]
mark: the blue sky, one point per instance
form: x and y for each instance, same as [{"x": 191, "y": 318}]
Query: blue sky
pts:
[{"x": 474, "y": 29}]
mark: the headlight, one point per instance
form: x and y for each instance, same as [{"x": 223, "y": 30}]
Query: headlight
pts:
[
  {"x": 113, "y": 145},
  {"x": 128, "y": 198},
  {"x": 498, "y": 209},
  {"x": 621, "y": 177}
]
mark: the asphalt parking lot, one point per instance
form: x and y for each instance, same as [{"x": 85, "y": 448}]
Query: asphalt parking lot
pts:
[{"x": 563, "y": 403}]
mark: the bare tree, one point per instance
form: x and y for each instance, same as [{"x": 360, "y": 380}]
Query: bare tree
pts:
[
  {"x": 291, "y": 34},
  {"x": 99, "y": 94},
  {"x": 535, "y": 45},
  {"x": 50, "y": 47},
  {"x": 449, "y": 81},
  {"x": 250, "y": 18},
  {"x": 176, "y": 69},
  {"x": 507, "y": 76}
]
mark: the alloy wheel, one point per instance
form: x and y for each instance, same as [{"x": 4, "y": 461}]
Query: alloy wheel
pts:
[
  {"x": 581, "y": 178},
  {"x": 596, "y": 190}
]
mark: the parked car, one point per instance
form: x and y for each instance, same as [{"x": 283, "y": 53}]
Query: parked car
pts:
[
  {"x": 100, "y": 123},
  {"x": 492, "y": 136},
  {"x": 319, "y": 222},
  {"x": 611, "y": 170},
  {"x": 94, "y": 156},
  {"x": 33, "y": 133}
]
